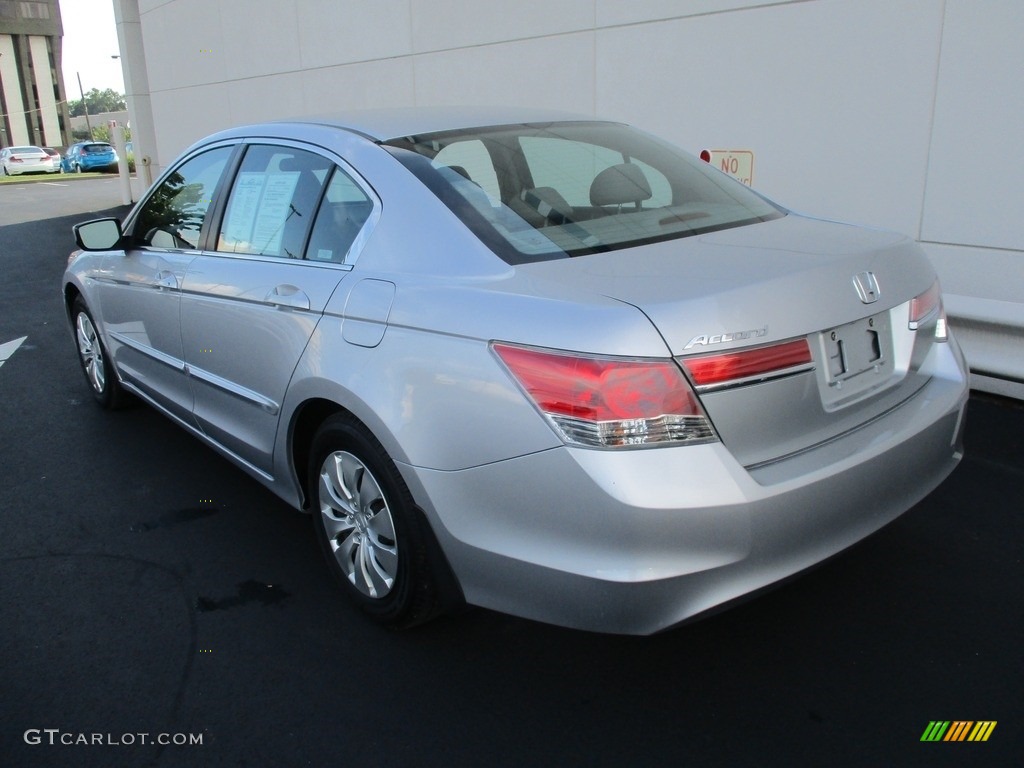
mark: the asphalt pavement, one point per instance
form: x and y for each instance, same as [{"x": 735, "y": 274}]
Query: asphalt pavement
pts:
[{"x": 151, "y": 592}]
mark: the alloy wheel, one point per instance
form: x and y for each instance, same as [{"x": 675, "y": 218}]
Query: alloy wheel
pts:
[
  {"x": 91, "y": 351},
  {"x": 358, "y": 524}
]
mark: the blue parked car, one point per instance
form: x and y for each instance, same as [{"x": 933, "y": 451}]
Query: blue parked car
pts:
[{"x": 89, "y": 156}]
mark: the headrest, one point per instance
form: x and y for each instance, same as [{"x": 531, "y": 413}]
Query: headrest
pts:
[
  {"x": 548, "y": 202},
  {"x": 292, "y": 164},
  {"x": 459, "y": 170},
  {"x": 620, "y": 184}
]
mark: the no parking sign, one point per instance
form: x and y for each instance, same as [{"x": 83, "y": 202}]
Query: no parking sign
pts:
[{"x": 738, "y": 163}]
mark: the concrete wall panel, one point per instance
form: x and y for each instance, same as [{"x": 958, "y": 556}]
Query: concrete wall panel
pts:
[
  {"x": 385, "y": 83},
  {"x": 270, "y": 43},
  {"x": 273, "y": 97},
  {"x": 439, "y": 25},
  {"x": 552, "y": 72},
  {"x": 612, "y": 13},
  {"x": 184, "y": 44},
  {"x": 331, "y": 33},
  {"x": 194, "y": 112},
  {"x": 976, "y": 167},
  {"x": 837, "y": 116}
]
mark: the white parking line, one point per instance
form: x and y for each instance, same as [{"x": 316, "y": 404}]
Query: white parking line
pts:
[
  {"x": 53, "y": 184},
  {"x": 8, "y": 349}
]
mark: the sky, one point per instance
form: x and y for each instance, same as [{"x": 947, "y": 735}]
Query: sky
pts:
[{"x": 90, "y": 39}]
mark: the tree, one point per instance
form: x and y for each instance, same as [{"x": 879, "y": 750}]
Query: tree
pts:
[{"x": 98, "y": 101}]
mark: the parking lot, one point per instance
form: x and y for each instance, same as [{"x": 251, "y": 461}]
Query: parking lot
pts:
[{"x": 151, "y": 590}]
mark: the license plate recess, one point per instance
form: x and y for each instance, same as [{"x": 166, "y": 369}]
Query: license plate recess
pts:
[{"x": 855, "y": 357}]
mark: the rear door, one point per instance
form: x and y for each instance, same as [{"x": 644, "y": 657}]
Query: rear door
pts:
[{"x": 253, "y": 299}]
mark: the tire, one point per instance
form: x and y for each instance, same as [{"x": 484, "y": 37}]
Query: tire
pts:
[
  {"x": 95, "y": 362},
  {"x": 78, "y": 168},
  {"x": 368, "y": 528}
]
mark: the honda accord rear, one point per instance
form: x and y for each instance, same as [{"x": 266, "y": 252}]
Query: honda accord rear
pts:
[{"x": 550, "y": 366}]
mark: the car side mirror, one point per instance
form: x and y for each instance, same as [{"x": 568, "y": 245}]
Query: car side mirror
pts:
[{"x": 98, "y": 235}]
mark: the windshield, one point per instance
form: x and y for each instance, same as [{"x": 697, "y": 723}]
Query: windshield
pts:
[{"x": 534, "y": 192}]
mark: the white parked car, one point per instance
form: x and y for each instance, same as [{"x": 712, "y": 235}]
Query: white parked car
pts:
[{"x": 15, "y": 161}]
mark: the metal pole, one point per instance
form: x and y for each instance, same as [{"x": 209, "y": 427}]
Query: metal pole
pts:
[
  {"x": 85, "y": 106},
  {"x": 117, "y": 138}
]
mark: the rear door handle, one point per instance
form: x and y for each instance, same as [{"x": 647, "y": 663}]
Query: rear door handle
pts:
[{"x": 288, "y": 296}]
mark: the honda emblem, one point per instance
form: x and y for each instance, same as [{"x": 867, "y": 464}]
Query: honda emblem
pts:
[{"x": 867, "y": 287}]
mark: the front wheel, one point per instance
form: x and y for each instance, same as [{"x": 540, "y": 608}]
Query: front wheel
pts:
[
  {"x": 94, "y": 359},
  {"x": 367, "y": 526}
]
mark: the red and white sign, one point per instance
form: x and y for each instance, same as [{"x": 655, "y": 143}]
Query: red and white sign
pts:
[{"x": 738, "y": 163}]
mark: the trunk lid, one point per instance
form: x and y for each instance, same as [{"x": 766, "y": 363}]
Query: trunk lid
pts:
[{"x": 792, "y": 278}]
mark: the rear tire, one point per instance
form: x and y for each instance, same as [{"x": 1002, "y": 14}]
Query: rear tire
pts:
[
  {"x": 368, "y": 527},
  {"x": 96, "y": 366}
]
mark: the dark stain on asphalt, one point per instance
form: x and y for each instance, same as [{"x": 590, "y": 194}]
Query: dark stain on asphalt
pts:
[
  {"x": 176, "y": 517},
  {"x": 248, "y": 592}
]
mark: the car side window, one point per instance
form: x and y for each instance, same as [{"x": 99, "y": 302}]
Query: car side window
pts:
[
  {"x": 173, "y": 215},
  {"x": 273, "y": 201},
  {"x": 344, "y": 211}
]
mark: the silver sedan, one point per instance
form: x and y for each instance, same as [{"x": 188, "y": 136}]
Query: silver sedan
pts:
[{"x": 543, "y": 364}]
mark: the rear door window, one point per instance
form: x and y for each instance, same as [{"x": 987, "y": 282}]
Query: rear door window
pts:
[
  {"x": 273, "y": 202},
  {"x": 342, "y": 215}
]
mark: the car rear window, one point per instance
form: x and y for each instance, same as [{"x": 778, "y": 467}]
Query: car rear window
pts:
[
  {"x": 94, "y": 148},
  {"x": 535, "y": 192}
]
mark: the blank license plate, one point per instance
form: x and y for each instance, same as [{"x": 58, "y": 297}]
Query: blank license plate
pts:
[{"x": 857, "y": 356}]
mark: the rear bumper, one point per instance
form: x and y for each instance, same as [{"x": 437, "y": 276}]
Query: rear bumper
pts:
[
  {"x": 97, "y": 165},
  {"x": 636, "y": 541},
  {"x": 20, "y": 171}
]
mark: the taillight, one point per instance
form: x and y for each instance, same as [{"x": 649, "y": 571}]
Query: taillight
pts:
[
  {"x": 609, "y": 402},
  {"x": 746, "y": 366},
  {"x": 924, "y": 307}
]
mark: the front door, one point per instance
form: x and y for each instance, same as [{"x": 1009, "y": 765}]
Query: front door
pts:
[{"x": 139, "y": 289}]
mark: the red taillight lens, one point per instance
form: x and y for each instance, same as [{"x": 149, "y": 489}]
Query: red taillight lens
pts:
[
  {"x": 924, "y": 306},
  {"x": 743, "y": 365},
  {"x": 608, "y": 402}
]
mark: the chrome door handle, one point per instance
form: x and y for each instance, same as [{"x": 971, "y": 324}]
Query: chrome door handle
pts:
[
  {"x": 166, "y": 279},
  {"x": 288, "y": 296}
]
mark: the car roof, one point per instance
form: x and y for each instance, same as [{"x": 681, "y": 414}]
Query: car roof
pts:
[{"x": 384, "y": 124}]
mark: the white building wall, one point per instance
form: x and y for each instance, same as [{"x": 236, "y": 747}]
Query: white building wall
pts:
[
  {"x": 44, "y": 87},
  {"x": 892, "y": 113},
  {"x": 11, "y": 85}
]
